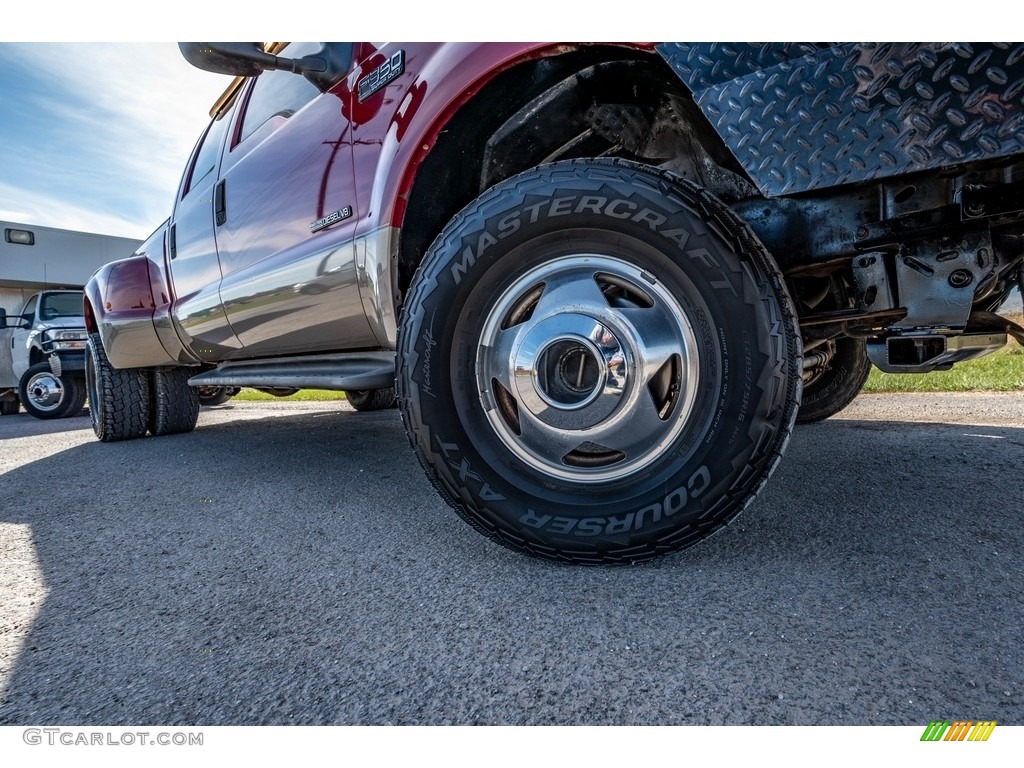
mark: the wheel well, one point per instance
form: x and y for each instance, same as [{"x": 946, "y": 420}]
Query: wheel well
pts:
[
  {"x": 597, "y": 101},
  {"x": 90, "y": 317},
  {"x": 35, "y": 355}
]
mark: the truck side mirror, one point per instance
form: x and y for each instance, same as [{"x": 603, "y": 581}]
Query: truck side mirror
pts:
[
  {"x": 14, "y": 321},
  {"x": 240, "y": 59},
  {"x": 323, "y": 68}
]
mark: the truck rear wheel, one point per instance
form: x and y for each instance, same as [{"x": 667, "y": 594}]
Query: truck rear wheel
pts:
[
  {"x": 215, "y": 395},
  {"x": 598, "y": 362},
  {"x": 119, "y": 400},
  {"x": 78, "y": 394},
  {"x": 49, "y": 396},
  {"x": 829, "y": 390},
  {"x": 371, "y": 399},
  {"x": 175, "y": 404},
  {"x": 279, "y": 391}
]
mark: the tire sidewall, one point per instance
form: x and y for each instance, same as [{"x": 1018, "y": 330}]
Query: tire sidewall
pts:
[
  {"x": 358, "y": 398},
  {"x": 94, "y": 387},
  {"x": 839, "y": 386}
]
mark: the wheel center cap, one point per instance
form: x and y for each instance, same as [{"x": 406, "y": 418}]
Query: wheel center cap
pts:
[
  {"x": 570, "y": 370},
  {"x": 44, "y": 391}
]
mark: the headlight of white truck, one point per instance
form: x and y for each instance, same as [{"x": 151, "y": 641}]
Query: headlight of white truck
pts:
[{"x": 68, "y": 339}]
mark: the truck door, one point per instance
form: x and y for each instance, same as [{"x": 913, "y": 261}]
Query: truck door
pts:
[
  {"x": 287, "y": 212},
  {"x": 19, "y": 337},
  {"x": 192, "y": 253}
]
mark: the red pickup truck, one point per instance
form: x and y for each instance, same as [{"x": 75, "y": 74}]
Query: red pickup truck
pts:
[{"x": 601, "y": 281}]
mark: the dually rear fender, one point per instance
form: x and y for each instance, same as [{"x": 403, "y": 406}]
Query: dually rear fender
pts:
[{"x": 129, "y": 303}]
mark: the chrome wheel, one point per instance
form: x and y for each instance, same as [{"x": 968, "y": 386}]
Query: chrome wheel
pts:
[
  {"x": 45, "y": 392},
  {"x": 587, "y": 368}
]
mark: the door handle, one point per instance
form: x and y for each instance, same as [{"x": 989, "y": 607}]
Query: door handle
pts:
[
  {"x": 172, "y": 241},
  {"x": 219, "y": 204}
]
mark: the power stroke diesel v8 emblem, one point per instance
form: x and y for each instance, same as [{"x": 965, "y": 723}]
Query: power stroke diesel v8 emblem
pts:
[
  {"x": 391, "y": 68},
  {"x": 330, "y": 218}
]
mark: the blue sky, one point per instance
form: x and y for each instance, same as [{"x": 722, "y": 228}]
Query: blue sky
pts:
[{"x": 93, "y": 136}]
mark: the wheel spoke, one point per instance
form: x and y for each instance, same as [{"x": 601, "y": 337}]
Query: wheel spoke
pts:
[
  {"x": 495, "y": 359},
  {"x": 634, "y": 431},
  {"x": 659, "y": 338},
  {"x": 574, "y": 290},
  {"x": 550, "y": 443}
]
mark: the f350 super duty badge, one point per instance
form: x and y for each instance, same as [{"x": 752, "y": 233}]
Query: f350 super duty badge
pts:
[
  {"x": 391, "y": 68},
  {"x": 330, "y": 218}
]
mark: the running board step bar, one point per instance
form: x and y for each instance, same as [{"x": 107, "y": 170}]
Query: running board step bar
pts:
[{"x": 349, "y": 371}]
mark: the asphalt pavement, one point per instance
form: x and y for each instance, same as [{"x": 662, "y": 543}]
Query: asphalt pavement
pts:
[{"x": 289, "y": 563}]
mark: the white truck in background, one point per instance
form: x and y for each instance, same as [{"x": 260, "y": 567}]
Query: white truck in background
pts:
[
  {"x": 42, "y": 332},
  {"x": 47, "y": 356}
]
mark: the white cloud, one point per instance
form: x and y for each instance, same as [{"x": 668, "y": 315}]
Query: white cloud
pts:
[
  {"x": 144, "y": 108},
  {"x": 44, "y": 210}
]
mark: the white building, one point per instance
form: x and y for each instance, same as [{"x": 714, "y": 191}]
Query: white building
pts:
[{"x": 37, "y": 258}]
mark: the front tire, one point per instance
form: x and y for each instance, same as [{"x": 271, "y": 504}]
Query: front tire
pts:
[
  {"x": 119, "y": 400},
  {"x": 598, "y": 362},
  {"x": 48, "y": 396}
]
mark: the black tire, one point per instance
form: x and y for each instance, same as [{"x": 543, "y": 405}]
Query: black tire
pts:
[
  {"x": 48, "y": 396},
  {"x": 279, "y": 391},
  {"x": 214, "y": 395},
  {"x": 372, "y": 399},
  {"x": 175, "y": 404},
  {"x": 834, "y": 388},
  {"x": 610, "y": 296},
  {"x": 119, "y": 400},
  {"x": 78, "y": 390},
  {"x": 10, "y": 407}
]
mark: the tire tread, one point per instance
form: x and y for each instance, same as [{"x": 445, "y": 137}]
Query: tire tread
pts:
[
  {"x": 175, "y": 404},
  {"x": 123, "y": 413}
]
